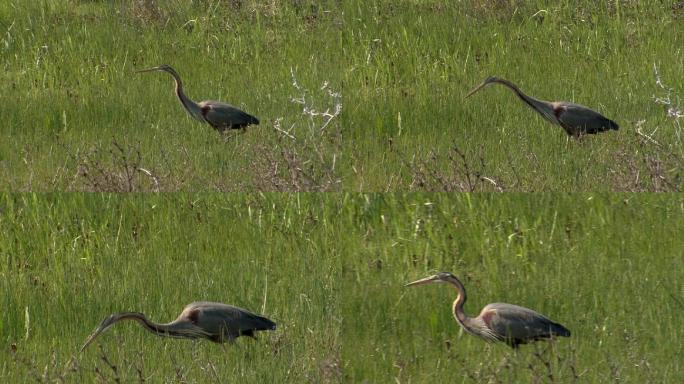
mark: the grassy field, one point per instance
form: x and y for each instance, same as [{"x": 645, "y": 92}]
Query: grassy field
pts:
[
  {"x": 70, "y": 260},
  {"x": 330, "y": 269},
  {"x": 353, "y": 95}
]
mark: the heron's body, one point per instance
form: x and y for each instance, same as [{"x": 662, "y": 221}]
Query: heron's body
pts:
[
  {"x": 221, "y": 116},
  {"x": 575, "y": 119},
  {"x": 508, "y": 323},
  {"x": 516, "y": 325},
  {"x": 217, "y": 322}
]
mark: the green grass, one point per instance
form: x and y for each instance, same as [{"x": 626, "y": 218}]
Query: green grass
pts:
[
  {"x": 76, "y": 117},
  {"x": 608, "y": 268},
  {"x": 70, "y": 260},
  {"x": 330, "y": 269}
]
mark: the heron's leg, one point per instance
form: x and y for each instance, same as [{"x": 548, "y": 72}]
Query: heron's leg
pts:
[
  {"x": 227, "y": 135},
  {"x": 194, "y": 349},
  {"x": 580, "y": 138},
  {"x": 567, "y": 140}
]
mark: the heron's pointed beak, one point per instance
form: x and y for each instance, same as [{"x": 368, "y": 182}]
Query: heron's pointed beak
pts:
[
  {"x": 101, "y": 328},
  {"x": 476, "y": 89},
  {"x": 90, "y": 339},
  {"x": 427, "y": 280}
]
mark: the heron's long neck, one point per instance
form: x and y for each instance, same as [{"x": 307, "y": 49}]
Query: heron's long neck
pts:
[
  {"x": 538, "y": 105},
  {"x": 192, "y": 107},
  {"x": 158, "y": 329},
  {"x": 459, "y": 314}
]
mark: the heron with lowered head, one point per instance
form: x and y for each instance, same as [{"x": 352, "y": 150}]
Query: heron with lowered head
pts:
[
  {"x": 217, "y": 322},
  {"x": 577, "y": 120}
]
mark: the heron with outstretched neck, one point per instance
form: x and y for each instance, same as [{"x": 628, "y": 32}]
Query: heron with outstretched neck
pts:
[
  {"x": 508, "y": 323},
  {"x": 575, "y": 119},
  {"x": 217, "y": 322},
  {"x": 219, "y": 115}
]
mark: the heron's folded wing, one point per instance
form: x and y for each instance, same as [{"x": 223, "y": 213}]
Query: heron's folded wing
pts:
[
  {"x": 585, "y": 119},
  {"x": 221, "y": 114},
  {"x": 521, "y": 323}
]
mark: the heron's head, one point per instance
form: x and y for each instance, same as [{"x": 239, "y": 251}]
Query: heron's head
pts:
[
  {"x": 106, "y": 324},
  {"x": 487, "y": 81},
  {"x": 441, "y": 277},
  {"x": 163, "y": 67}
]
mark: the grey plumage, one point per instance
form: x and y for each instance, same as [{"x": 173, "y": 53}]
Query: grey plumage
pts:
[{"x": 521, "y": 324}]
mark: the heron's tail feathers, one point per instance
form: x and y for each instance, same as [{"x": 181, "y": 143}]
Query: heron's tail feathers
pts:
[
  {"x": 263, "y": 324},
  {"x": 253, "y": 120},
  {"x": 605, "y": 125},
  {"x": 613, "y": 125},
  {"x": 559, "y": 330}
]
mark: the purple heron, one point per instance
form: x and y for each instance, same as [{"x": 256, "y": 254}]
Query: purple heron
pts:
[
  {"x": 508, "y": 323},
  {"x": 575, "y": 119},
  {"x": 219, "y": 115},
  {"x": 199, "y": 320}
]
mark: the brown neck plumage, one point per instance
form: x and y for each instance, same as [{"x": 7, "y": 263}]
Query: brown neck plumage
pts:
[
  {"x": 459, "y": 314},
  {"x": 189, "y": 105}
]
